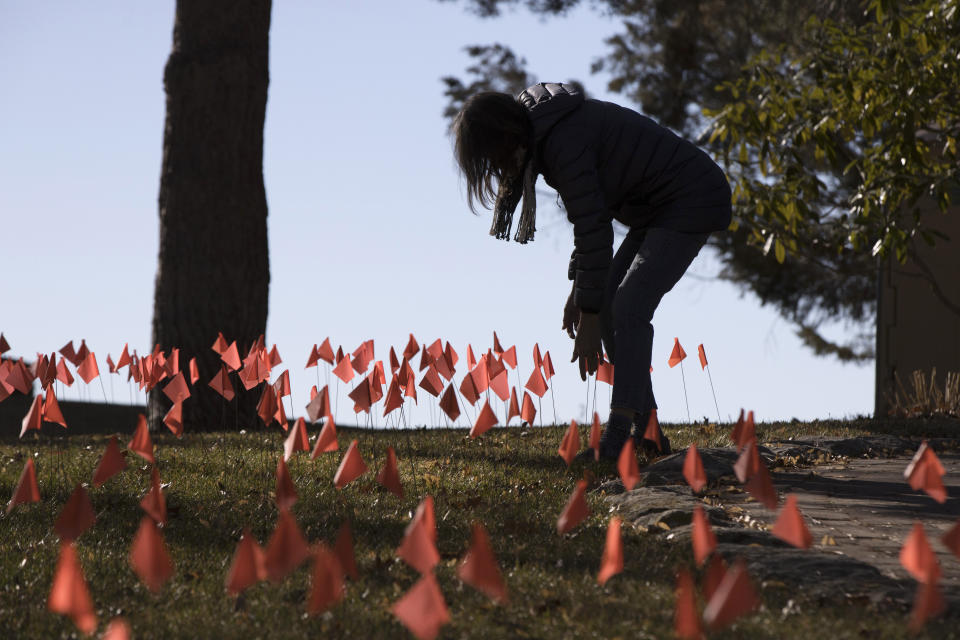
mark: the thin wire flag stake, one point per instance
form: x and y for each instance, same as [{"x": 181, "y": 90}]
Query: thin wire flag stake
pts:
[
  {"x": 685, "y": 399},
  {"x": 703, "y": 365}
]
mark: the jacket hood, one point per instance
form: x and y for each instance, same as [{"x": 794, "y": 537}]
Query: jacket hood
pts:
[{"x": 547, "y": 103}]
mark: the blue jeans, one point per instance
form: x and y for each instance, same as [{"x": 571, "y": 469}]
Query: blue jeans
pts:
[{"x": 647, "y": 265}]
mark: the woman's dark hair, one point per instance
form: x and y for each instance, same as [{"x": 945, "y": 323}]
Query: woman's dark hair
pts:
[{"x": 489, "y": 129}]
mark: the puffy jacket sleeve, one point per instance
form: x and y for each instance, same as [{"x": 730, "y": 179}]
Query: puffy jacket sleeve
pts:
[{"x": 573, "y": 172}]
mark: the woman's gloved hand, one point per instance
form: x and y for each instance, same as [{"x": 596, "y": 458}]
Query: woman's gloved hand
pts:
[
  {"x": 587, "y": 345},
  {"x": 571, "y": 316}
]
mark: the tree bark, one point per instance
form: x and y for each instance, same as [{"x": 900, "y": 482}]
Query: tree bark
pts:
[{"x": 213, "y": 272}]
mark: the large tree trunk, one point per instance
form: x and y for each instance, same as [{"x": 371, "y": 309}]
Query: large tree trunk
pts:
[{"x": 213, "y": 272}]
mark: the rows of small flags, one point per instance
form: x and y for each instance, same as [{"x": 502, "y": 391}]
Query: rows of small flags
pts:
[{"x": 728, "y": 591}]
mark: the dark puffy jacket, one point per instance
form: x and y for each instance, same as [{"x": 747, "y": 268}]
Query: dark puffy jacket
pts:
[{"x": 609, "y": 163}]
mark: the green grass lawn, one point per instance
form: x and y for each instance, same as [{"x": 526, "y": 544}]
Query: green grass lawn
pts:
[{"x": 510, "y": 479}]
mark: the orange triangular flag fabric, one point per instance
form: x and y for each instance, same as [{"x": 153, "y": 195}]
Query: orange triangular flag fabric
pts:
[
  {"x": 297, "y": 440},
  {"x": 480, "y": 376},
  {"x": 319, "y": 405},
  {"x": 918, "y": 558},
  {"x": 389, "y": 475},
  {"x": 703, "y": 356},
  {"x": 111, "y": 463},
  {"x": 501, "y": 385},
  {"x": 747, "y": 464},
  {"x": 63, "y": 374},
  {"x": 537, "y": 358},
  {"x": 595, "y": 436},
  {"x": 426, "y": 514},
  {"x": 344, "y": 370},
  {"x": 479, "y": 567},
  {"x": 149, "y": 557},
  {"x": 713, "y": 576},
  {"x": 485, "y": 420},
  {"x": 222, "y": 385},
  {"x": 469, "y": 390},
  {"x": 422, "y": 609},
  {"x": 313, "y": 358},
  {"x": 124, "y": 359},
  {"x": 343, "y": 548},
  {"x": 76, "y": 516},
  {"x": 677, "y": 355},
  {"x": 734, "y": 597},
  {"x": 51, "y": 409},
  {"x": 790, "y": 526},
  {"x": 535, "y": 383},
  {"x": 231, "y": 357},
  {"x": 693, "y": 471},
  {"x": 69, "y": 594},
  {"x": 548, "y": 371},
  {"x": 928, "y": 603},
  {"x": 612, "y": 561},
  {"x": 702, "y": 536},
  {"x": 282, "y": 384},
  {"x": 570, "y": 444},
  {"x": 760, "y": 486},
  {"x": 4, "y": 345},
  {"x": 174, "y": 419},
  {"x": 576, "y": 509},
  {"x": 510, "y": 357},
  {"x": 449, "y": 405},
  {"x": 627, "y": 465},
  {"x": 220, "y": 344},
  {"x": 394, "y": 361},
  {"x": 286, "y": 493},
  {"x": 248, "y": 566},
  {"x": 326, "y": 580},
  {"x": 394, "y": 396},
  {"x": 926, "y": 472},
  {"x": 117, "y": 629},
  {"x": 141, "y": 444},
  {"x": 747, "y": 433},
  {"x": 194, "y": 371},
  {"x": 652, "y": 432},
  {"x": 88, "y": 369},
  {"x": 686, "y": 620},
  {"x": 34, "y": 416},
  {"x": 362, "y": 396},
  {"x": 326, "y": 441},
  {"x": 737, "y": 430},
  {"x": 431, "y": 382},
  {"x": 325, "y": 351},
  {"x": 268, "y": 405},
  {"x": 527, "y": 412},
  {"x": 351, "y": 467},
  {"x": 951, "y": 539},
  {"x": 153, "y": 502},
  {"x": 177, "y": 389},
  {"x": 497, "y": 347},
  {"x": 417, "y": 547},
  {"x": 514, "y": 410},
  {"x": 286, "y": 550}
]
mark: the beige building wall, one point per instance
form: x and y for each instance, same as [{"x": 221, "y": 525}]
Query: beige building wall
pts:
[{"x": 915, "y": 328}]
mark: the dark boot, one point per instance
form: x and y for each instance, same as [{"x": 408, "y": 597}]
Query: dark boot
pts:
[{"x": 614, "y": 436}]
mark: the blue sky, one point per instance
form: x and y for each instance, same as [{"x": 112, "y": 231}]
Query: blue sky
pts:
[{"x": 370, "y": 236}]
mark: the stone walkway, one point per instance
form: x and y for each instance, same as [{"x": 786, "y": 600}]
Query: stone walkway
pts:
[{"x": 855, "y": 500}]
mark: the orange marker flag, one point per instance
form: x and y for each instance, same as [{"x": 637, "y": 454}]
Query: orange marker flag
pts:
[
  {"x": 422, "y": 609},
  {"x": 747, "y": 464},
  {"x": 124, "y": 359},
  {"x": 734, "y": 597},
  {"x": 703, "y": 356},
  {"x": 286, "y": 549},
  {"x": 652, "y": 432},
  {"x": 220, "y": 344},
  {"x": 548, "y": 371},
  {"x": 117, "y": 629},
  {"x": 627, "y": 465},
  {"x": 149, "y": 557},
  {"x": 76, "y": 516},
  {"x": 313, "y": 358},
  {"x": 153, "y": 502},
  {"x": 248, "y": 566},
  {"x": 362, "y": 396},
  {"x": 389, "y": 475},
  {"x": 297, "y": 440},
  {"x": 605, "y": 372},
  {"x": 510, "y": 357},
  {"x": 612, "y": 561},
  {"x": 177, "y": 389},
  {"x": 760, "y": 486},
  {"x": 469, "y": 390},
  {"x": 479, "y": 567},
  {"x": 535, "y": 383},
  {"x": 231, "y": 357},
  {"x": 394, "y": 361},
  {"x": 926, "y": 472},
  {"x": 527, "y": 411},
  {"x": 951, "y": 539},
  {"x": 394, "y": 396},
  {"x": 570, "y": 444},
  {"x": 34, "y": 416},
  {"x": 69, "y": 594},
  {"x": 693, "y": 471},
  {"x": 63, "y": 374},
  {"x": 325, "y": 351},
  {"x": 4, "y": 345},
  {"x": 480, "y": 376},
  {"x": 686, "y": 620},
  {"x": 928, "y": 603},
  {"x": 442, "y": 365},
  {"x": 514, "y": 410},
  {"x": 326, "y": 580},
  {"x": 677, "y": 355},
  {"x": 790, "y": 526},
  {"x": 497, "y": 347},
  {"x": 51, "y": 409},
  {"x": 326, "y": 441},
  {"x": 412, "y": 348},
  {"x": 344, "y": 370},
  {"x": 449, "y": 405},
  {"x": 576, "y": 509},
  {"x": 194, "y": 371},
  {"x": 595, "y": 436},
  {"x": 268, "y": 405},
  {"x": 471, "y": 359},
  {"x": 343, "y": 548},
  {"x": 141, "y": 444},
  {"x": 485, "y": 421},
  {"x": 713, "y": 576},
  {"x": 431, "y": 382},
  {"x": 351, "y": 467},
  {"x": 918, "y": 558},
  {"x": 537, "y": 358},
  {"x": 702, "y": 536},
  {"x": 417, "y": 547},
  {"x": 282, "y": 385},
  {"x": 221, "y": 384},
  {"x": 111, "y": 463},
  {"x": 174, "y": 419},
  {"x": 744, "y": 431},
  {"x": 501, "y": 385},
  {"x": 88, "y": 369},
  {"x": 319, "y": 405},
  {"x": 274, "y": 356},
  {"x": 286, "y": 493}
]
